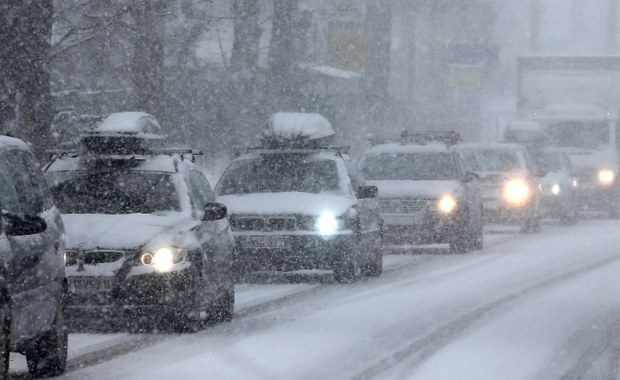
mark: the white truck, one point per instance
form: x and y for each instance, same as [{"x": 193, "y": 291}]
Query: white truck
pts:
[{"x": 576, "y": 103}]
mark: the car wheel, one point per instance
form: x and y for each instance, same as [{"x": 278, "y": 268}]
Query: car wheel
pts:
[
  {"x": 346, "y": 270},
  {"x": 477, "y": 241},
  {"x": 48, "y": 354},
  {"x": 5, "y": 331},
  {"x": 458, "y": 246},
  {"x": 223, "y": 310},
  {"x": 375, "y": 267}
]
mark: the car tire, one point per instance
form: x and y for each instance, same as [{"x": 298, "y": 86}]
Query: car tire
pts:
[
  {"x": 458, "y": 246},
  {"x": 346, "y": 270},
  {"x": 223, "y": 310},
  {"x": 375, "y": 267},
  {"x": 5, "y": 334},
  {"x": 48, "y": 354},
  {"x": 477, "y": 240}
]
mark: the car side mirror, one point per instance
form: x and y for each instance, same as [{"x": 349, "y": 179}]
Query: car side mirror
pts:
[
  {"x": 214, "y": 211},
  {"x": 471, "y": 176},
  {"x": 366, "y": 192},
  {"x": 21, "y": 225}
]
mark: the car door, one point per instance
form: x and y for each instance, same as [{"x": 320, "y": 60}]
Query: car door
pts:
[
  {"x": 215, "y": 235},
  {"x": 37, "y": 268}
]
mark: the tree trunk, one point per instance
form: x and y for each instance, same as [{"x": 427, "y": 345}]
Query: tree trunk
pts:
[
  {"x": 27, "y": 28},
  {"x": 148, "y": 59},
  {"x": 377, "y": 79},
  {"x": 612, "y": 26},
  {"x": 247, "y": 36},
  {"x": 283, "y": 52}
]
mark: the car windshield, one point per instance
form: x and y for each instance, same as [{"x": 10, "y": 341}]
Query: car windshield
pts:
[
  {"x": 575, "y": 134},
  {"x": 116, "y": 192},
  {"x": 410, "y": 166},
  {"x": 277, "y": 173},
  {"x": 493, "y": 160},
  {"x": 553, "y": 162}
]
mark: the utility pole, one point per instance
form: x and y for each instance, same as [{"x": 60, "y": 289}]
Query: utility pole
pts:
[
  {"x": 612, "y": 26},
  {"x": 535, "y": 10}
]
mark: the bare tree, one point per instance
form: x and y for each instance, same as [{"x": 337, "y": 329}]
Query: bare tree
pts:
[
  {"x": 376, "y": 83},
  {"x": 148, "y": 56},
  {"x": 247, "y": 35},
  {"x": 26, "y": 40}
]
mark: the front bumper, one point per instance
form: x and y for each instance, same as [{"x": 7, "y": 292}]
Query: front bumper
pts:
[
  {"x": 496, "y": 210},
  {"x": 143, "y": 294},
  {"x": 423, "y": 227},
  {"x": 286, "y": 252}
]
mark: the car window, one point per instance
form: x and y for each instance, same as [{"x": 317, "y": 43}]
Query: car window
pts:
[
  {"x": 114, "y": 192},
  {"x": 200, "y": 190},
  {"x": 29, "y": 192},
  {"x": 410, "y": 166},
  {"x": 275, "y": 173},
  {"x": 357, "y": 179},
  {"x": 9, "y": 200},
  {"x": 38, "y": 180},
  {"x": 493, "y": 160}
]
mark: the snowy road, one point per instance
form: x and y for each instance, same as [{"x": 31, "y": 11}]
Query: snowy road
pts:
[{"x": 543, "y": 306}]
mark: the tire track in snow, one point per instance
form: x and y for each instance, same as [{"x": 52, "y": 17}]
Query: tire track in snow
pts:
[
  {"x": 416, "y": 352},
  {"x": 130, "y": 343},
  {"x": 138, "y": 342}
]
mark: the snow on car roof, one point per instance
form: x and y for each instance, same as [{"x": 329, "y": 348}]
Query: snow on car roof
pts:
[
  {"x": 12, "y": 142},
  {"x": 160, "y": 163},
  {"x": 315, "y": 153},
  {"x": 296, "y": 125},
  {"x": 130, "y": 123},
  {"x": 408, "y": 148}
]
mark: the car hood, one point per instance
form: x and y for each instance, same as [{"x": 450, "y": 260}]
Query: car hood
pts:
[
  {"x": 417, "y": 189},
  {"x": 90, "y": 231},
  {"x": 287, "y": 203}
]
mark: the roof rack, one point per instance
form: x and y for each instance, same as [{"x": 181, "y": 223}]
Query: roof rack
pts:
[
  {"x": 340, "y": 150},
  {"x": 423, "y": 138}
]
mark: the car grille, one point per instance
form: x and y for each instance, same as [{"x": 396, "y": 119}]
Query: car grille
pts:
[
  {"x": 94, "y": 257},
  {"x": 267, "y": 223},
  {"x": 401, "y": 206}
]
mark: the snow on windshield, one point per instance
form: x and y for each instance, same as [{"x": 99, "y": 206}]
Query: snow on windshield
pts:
[
  {"x": 410, "y": 166},
  {"x": 125, "y": 192},
  {"x": 279, "y": 173},
  {"x": 492, "y": 160}
]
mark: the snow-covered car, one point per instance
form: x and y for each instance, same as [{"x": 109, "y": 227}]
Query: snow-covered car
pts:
[
  {"x": 510, "y": 183},
  {"x": 144, "y": 233},
  {"x": 425, "y": 194},
  {"x": 559, "y": 198},
  {"x": 32, "y": 274},
  {"x": 295, "y": 204}
]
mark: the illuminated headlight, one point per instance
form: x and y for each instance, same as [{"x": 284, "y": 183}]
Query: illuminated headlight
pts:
[
  {"x": 606, "y": 176},
  {"x": 164, "y": 258},
  {"x": 517, "y": 192},
  {"x": 556, "y": 189},
  {"x": 327, "y": 224},
  {"x": 575, "y": 182},
  {"x": 446, "y": 204}
]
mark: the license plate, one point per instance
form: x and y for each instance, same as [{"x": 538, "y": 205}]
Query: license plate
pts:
[
  {"x": 275, "y": 242},
  {"x": 90, "y": 284}
]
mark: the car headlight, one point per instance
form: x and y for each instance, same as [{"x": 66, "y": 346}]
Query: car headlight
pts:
[
  {"x": 556, "y": 189},
  {"x": 517, "y": 191},
  {"x": 163, "y": 259},
  {"x": 446, "y": 204},
  {"x": 606, "y": 176},
  {"x": 575, "y": 182},
  {"x": 327, "y": 224}
]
